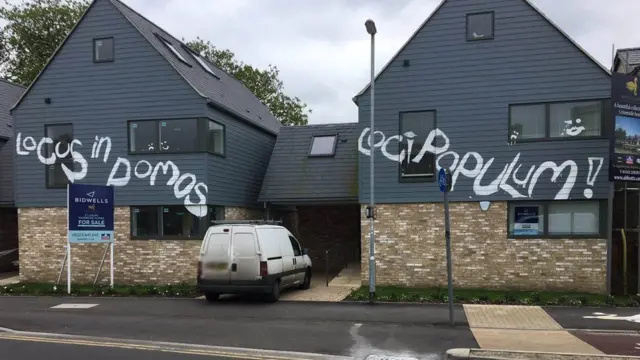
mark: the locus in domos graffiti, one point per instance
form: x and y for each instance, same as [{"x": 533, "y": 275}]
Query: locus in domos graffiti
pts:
[
  {"x": 472, "y": 165},
  {"x": 183, "y": 183}
]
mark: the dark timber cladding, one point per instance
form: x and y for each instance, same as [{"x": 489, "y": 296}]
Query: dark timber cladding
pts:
[
  {"x": 313, "y": 164},
  {"x": 9, "y": 93},
  {"x": 114, "y": 76},
  {"x": 505, "y": 88}
]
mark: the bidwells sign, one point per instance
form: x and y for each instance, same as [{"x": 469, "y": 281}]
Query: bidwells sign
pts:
[
  {"x": 91, "y": 211},
  {"x": 624, "y": 161}
]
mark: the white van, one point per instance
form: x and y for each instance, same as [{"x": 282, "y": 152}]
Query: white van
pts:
[{"x": 259, "y": 257}]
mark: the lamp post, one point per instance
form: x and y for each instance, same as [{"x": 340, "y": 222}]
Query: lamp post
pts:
[{"x": 371, "y": 29}]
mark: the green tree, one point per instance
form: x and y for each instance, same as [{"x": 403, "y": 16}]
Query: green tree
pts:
[
  {"x": 33, "y": 31},
  {"x": 620, "y": 134},
  {"x": 264, "y": 83}
]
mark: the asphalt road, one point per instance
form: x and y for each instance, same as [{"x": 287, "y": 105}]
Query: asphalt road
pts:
[
  {"x": 334, "y": 329},
  {"x": 29, "y": 350}
]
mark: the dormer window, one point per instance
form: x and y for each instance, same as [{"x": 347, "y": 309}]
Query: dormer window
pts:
[
  {"x": 172, "y": 48},
  {"x": 103, "y": 49},
  {"x": 480, "y": 26},
  {"x": 323, "y": 145}
]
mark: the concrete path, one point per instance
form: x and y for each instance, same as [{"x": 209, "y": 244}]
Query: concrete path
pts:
[
  {"x": 524, "y": 328},
  {"x": 339, "y": 287},
  {"x": 9, "y": 278}
]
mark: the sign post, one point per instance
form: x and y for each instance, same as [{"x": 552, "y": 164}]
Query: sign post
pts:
[
  {"x": 444, "y": 182},
  {"x": 90, "y": 219}
]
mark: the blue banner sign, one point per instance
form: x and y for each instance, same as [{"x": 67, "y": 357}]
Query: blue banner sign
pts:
[{"x": 90, "y": 209}]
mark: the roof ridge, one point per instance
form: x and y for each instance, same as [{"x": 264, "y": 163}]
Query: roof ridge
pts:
[{"x": 3, "y": 79}]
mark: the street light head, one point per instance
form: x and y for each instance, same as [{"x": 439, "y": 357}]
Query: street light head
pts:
[{"x": 371, "y": 27}]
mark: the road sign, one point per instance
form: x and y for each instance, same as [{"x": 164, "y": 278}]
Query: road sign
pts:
[
  {"x": 444, "y": 180},
  {"x": 90, "y": 209}
]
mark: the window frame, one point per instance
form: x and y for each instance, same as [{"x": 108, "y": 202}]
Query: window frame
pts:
[
  {"x": 416, "y": 178},
  {"x": 211, "y": 210},
  {"x": 605, "y": 121},
  {"x": 544, "y": 204},
  {"x": 172, "y": 48},
  {"x": 493, "y": 26},
  {"x": 69, "y": 162},
  {"x": 202, "y": 124},
  {"x": 333, "y": 149},
  {"x": 113, "y": 49},
  {"x": 201, "y": 61}
]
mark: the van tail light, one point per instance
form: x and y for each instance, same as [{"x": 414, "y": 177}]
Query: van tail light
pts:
[
  {"x": 199, "y": 276},
  {"x": 264, "y": 270}
]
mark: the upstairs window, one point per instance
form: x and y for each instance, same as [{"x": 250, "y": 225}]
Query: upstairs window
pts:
[
  {"x": 176, "y": 136},
  {"x": 560, "y": 120},
  {"x": 480, "y": 26},
  {"x": 172, "y": 48},
  {"x": 323, "y": 145},
  {"x": 62, "y": 136},
  {"x": 415, "y": 127},
  {"x": 103, "y": 49}
]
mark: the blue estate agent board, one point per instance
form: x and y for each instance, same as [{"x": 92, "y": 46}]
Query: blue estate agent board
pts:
[{"x": 90, "y": 209}]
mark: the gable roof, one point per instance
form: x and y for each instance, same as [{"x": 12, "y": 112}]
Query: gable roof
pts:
[
  {"x": 222, "y": 91},
  {"x": 632, "y": 54},
  {"x": 9, "y": 93},
  {"x": 295, "y": 177},
  {"x": 528, "y": 2}
]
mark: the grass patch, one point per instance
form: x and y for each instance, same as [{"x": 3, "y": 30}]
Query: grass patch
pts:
[
  {"x": 42, "y": 289},
  {"x": 479, "y": 296}
]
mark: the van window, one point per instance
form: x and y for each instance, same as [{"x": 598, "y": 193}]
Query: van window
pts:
[
  {"x": 244, "y": 245},
  {"x": 296, "y": 246},
  {"x": 218, "y": 244}
]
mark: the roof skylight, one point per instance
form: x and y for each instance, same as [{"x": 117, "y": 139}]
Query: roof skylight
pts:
[
  {"x": 172, "y": 48},
  {"x": 204, "y": 65},
  {"x": 323, "y": 145}
]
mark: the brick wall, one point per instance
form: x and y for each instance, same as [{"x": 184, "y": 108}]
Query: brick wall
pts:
[
  {"x": 410, "y": 251},
  {"x": 322, "y": 227},
  {"x": 42, "y": 236}
]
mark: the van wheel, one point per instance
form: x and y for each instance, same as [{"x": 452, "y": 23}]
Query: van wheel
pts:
[
  {"x": 275, "y": 292},
  {"x": 306, "y": 284},
  {"x": 211, "y": 297}
]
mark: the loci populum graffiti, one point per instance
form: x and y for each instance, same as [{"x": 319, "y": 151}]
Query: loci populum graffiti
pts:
[
  {"x": 472, "y": 165},
  {"x": 183, "y": 183}
]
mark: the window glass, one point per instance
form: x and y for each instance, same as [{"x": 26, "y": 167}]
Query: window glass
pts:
[
  {"x": 323, "y": 145},
  {"x": 527, "y": 122},
  {"x": 416, "y": 126},
  {"x": 216, "y": 213},
  {"x": 178, "y": 221},
  {"x": 575, "y": 119},
  {"x": 480, "y": 26},
  {"x": 204, "y": 65},
  {"x": 178, "y": 135},
  {"x": 216, "y": 137},
  {"x": 144, "y": 221},
  {"x": 103, "y": 49},
  {"x": 173, "y": 50},
  {"x": 574, "y": 218},
  {"x": 296, "y": 247},
  {"x": 143, "y": 136},
  {"x": 62, "y": 136},
  {"x": 244, "y": 245},
  {"x": 526, "y": 219}
]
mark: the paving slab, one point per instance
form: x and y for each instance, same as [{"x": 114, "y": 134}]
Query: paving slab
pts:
[
  {"x": 532, "y": 340},
  {"x": 509, "y": 317},
  {"x": 318, "y": 292}
]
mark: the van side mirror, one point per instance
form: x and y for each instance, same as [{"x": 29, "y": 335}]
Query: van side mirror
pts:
[{"x": 305, "y": 251}]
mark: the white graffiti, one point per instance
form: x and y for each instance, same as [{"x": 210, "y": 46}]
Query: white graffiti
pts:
[
  {"x": 604, "y": 316},
  {"x": 183, "y": 183},
  {"x": 472, "y": 165},
  {"x": 572, "y": 129}
]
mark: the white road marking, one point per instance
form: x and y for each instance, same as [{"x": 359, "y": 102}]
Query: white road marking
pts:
[{"x": 74, "y": 306}]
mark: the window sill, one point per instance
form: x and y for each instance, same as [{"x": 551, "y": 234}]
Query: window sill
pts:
[
  {"x": 223, "y": 155},
  {"x": 556, "y": 139},
  {"x": 167, "y": 238},
  {"x": 417, "y": 179},
  {"x": 166, "y": 152}
]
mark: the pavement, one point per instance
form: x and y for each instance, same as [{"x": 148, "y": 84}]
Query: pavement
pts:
[{"x": 350, "y": 330}]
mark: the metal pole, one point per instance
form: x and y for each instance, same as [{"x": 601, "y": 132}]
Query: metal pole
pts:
[
  {"x": 104, "y": 256},
  {"x": 111, "y": 261},
  {"x": 372, "y": 259},
  {"x": 447, "y": 235},
  {"x": 64, "y": 263},
  {"x": 68, "y": 268},
  {"x": 610, "y": 234}
]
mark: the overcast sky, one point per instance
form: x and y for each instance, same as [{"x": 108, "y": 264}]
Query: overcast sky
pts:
[{"x": 322, "y": 48}]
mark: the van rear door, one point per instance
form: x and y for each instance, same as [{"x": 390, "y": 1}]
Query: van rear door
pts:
[
  {"x": 216, "y": 263},
  {"x": 246, "y": 262}
]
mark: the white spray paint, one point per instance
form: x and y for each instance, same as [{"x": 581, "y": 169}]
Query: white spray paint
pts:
[
  {"x": 363, "y": 349},
  {"x": 603, "y": 316},
  {"x": 183, "y": 184},
  {"x": 473, "y": 166}
]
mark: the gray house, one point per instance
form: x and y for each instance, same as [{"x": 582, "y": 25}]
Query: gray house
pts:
[
  {"x": 520, "y": 115},
  {"x": 124, "y": 103}
]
